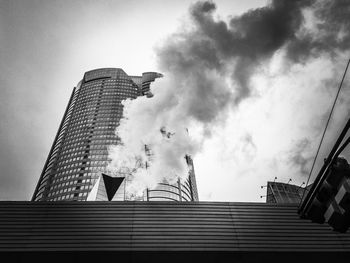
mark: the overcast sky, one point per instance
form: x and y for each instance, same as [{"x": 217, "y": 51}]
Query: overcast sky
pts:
[{"x": 273, "y": 129}]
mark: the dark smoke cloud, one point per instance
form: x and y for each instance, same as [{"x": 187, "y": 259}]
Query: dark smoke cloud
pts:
[
  {"x": 194, "y": 63},
  {"x": 330, "y": 35},
  {"x": 239, "y": 47},
  {"x": 255, "y": 34}
]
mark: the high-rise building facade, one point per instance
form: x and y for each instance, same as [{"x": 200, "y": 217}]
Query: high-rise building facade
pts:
[{"x": 79, "y": 154}]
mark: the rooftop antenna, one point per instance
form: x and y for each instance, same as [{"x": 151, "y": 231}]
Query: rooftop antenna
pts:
[
  {"x": 266, "y": 185},
  {"x": 290, "y": 179},
  {"x": 265, "y": 195},
  {"x": 301, "y": 184}
]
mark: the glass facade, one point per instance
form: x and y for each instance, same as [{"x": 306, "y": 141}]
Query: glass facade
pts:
[
  {"x": 170, "y": 192},
  {"x": 284, "y": 193},
  {"x": 79, "y": 153}
]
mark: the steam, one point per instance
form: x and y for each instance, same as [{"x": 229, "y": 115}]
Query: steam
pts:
[
  {"x": 208, "y": 69},
  {"x": 159, "y": 124}
]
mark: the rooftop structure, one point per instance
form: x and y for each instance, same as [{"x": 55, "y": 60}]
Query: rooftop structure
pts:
[{"x": 165, "y": 232}]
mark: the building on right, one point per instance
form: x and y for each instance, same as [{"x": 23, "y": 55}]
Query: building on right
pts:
[{"x": 283, "y": 193}]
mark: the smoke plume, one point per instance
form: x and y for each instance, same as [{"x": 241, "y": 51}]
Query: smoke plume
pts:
[{"x": 208, "y": 68}]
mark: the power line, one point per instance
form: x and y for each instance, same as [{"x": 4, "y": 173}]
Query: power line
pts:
[{"x": 325, "y": 129}]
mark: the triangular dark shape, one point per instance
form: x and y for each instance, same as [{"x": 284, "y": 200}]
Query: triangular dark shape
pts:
[{"x": 111, "y": 184}]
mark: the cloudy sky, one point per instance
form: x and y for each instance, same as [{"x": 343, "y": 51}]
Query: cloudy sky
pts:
[{"x": 260, "y": 76}]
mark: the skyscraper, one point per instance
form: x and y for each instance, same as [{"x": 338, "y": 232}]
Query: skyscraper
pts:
[{"x": 79, "y": 154}]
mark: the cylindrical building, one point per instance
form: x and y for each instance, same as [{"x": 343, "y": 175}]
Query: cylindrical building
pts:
[
  {"x": 181, "y": 191},
  {"x": 79, "y": 154}
]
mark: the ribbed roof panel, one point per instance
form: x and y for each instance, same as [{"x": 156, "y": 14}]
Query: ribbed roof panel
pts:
[{"x": 162, "y": 226}]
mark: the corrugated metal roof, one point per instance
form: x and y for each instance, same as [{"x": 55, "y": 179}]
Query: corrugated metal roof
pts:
[{"x": 162, "y": 226}]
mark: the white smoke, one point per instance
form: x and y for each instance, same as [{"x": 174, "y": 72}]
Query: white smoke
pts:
[{"x": 161, "y": 123}]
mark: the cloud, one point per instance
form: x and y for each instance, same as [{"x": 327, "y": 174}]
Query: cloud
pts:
[{"x": 300, "y": 156}]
